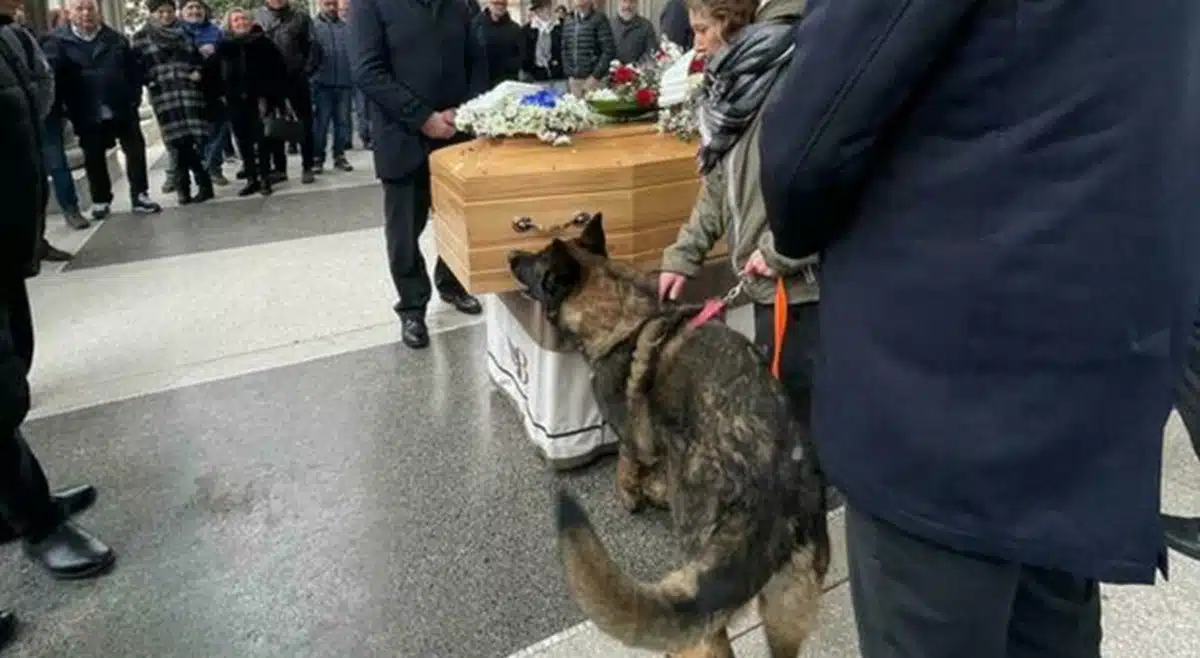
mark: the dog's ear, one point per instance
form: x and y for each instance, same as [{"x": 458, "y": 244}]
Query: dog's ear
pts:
[
  {"x": 592, "y": 238},
  {"x": 563, "y": 272}
]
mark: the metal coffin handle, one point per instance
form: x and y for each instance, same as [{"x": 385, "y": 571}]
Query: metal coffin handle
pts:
[{"x": 525, "y": 224}]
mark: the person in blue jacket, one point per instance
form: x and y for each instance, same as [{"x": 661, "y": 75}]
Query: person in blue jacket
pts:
[{"x": 1003, "y": 195}]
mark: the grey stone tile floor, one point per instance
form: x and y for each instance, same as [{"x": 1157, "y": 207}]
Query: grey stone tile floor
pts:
[{"x": 369, "y": 504}]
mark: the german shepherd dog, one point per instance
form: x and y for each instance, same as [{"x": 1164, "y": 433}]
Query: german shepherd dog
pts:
[{"x": 705, "y": 431}]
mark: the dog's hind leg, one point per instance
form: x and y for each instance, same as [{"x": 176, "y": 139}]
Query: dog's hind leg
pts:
[
  {"x": 789, "y": 603},
  {"x": 714, "y": 646},
  {"x": 629, "y": 480}
]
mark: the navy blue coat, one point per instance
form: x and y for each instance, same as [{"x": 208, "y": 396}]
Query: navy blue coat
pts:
[
  {"x": 412, "y": 59},
  {"x": 91, "y": 75},
  {"x": 1004, "y": 194}
]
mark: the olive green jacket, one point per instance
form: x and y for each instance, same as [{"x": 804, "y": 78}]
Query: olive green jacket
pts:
[{"x": 730, "y": 205}]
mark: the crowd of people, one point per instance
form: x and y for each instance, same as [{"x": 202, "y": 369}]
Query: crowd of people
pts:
[
  {"x": 980, "y": 212},
  {"x": 570, "y": 48},
  {"x": 251, "y": 86}
]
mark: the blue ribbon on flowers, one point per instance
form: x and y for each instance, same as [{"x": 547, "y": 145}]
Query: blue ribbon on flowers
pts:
[{"x": 544, "y": 98}]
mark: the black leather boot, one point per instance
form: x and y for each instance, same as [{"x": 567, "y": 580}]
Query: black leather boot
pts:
[
  {"x": 204, "y": 187},
  {"x": 252, "y": 187},
  {"x": 70, "y": 553}
]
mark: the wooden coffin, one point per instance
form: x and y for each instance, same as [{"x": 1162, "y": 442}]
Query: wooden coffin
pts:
[{"x": 643, "y": 182}]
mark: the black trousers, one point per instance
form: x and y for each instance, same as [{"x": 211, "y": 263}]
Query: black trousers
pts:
[
  {"x": 25, "y": 503},
  {"x": 251, "y": 142},
  {"x": 800, "y": 344},
  {"x": 188, "y": 160},
  {"x": 406, "y": 204},
  {"x": 95, "y": 141},
  {"x": 916, "y": 599},
  {"x": 299, "y": 96}
]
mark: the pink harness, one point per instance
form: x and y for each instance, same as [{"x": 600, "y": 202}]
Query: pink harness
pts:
[{"x": 714, "y": 308}]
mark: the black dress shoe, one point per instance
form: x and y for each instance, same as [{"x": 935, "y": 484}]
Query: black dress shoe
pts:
[
  {"x": 8, "y": 627},
  {"x": 205, "y": 193},
  {"x": 414, "y": 333},
  {"x": 71, "y": 553},
  {"x": 252, "y": 187},
  {"x": 1183, "y": 534},
  {"x": 72, "y": 501},
  {"x": 463, "y": 302}
]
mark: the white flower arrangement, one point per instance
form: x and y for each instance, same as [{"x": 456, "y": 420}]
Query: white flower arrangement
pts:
[
  {"x": 550, "y": 117},
  {"x": 668, "y": 52},
  {"x": 679, "y": 91},
  {"x": 603, "y": 94}
]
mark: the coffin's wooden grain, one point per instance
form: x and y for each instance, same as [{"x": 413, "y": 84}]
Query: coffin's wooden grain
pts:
[{"x": 644, "y": 183}]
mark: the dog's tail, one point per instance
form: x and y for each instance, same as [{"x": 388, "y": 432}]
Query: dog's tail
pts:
[{"x": 680, "y": 610}]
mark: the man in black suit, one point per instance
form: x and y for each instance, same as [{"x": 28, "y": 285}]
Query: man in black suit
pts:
[
  {"x": 28, "y": 510},
  {"x": 415, "y": 62}
]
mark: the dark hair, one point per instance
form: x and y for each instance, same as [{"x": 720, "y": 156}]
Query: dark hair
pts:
[
  {"x": 732, "y": 14},
  {"x": 535, "y": 5}
]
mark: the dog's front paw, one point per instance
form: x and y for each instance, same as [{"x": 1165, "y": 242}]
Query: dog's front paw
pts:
[{"x": 633, "y": 503}]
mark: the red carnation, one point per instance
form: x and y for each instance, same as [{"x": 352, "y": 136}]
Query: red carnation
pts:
[
  {"x": 646, "y": 97},
  {"x": 696, "y": 65},
  {"x": 623, "y": 75}
]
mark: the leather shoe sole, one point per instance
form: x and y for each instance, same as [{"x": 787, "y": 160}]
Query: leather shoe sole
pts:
[{"x": 72, "y": 501}]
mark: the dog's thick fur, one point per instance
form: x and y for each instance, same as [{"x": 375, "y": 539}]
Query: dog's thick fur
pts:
[{"x": 705, "y": 431}]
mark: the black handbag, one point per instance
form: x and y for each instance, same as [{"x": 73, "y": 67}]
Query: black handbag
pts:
[{"x": 282, "y": 127}]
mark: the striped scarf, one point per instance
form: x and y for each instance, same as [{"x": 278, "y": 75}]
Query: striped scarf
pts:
[{"x": 736, "y": 82}]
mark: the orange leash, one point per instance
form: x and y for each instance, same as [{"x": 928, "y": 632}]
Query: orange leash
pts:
[{"x": 781, "y": 318}]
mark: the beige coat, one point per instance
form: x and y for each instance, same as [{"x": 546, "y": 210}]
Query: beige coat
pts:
[{"x": 730, "y": 204}]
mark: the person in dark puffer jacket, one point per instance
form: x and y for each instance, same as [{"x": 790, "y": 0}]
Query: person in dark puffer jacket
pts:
[
  {"x": 588, "y": 47},
  {"x": 502, "y": 39},
  {"x": 28, "y": 510},
  {"x": 292, "y": 32},
  {"x": 252, "y": 75},
  {"x": 99, "y": 81}
]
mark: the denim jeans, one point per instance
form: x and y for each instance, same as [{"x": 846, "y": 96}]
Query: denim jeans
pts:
[
  {"x": 213, "y": 152},
  {"x": 332, "y": 106},
  {"x": 55, "y": 156},
  {"x": 362, "y": 116}
]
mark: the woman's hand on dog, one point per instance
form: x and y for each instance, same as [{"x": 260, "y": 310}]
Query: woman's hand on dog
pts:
[{"x": 670, "y": 285}]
